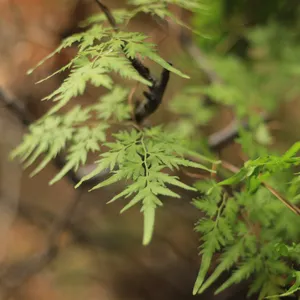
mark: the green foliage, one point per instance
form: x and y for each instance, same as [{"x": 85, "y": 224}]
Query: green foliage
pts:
[
  {"x": 259, "y": 221},
  {"x": 141, "y": 157},
  {"x": 155, "y": 8},
  {"x": 250, "y": 226},
  {"x": 160, "y": 9},
  {"x": 293, "y": 289},
  {"x": 256, "y": 171},
  {"x": 72, "y": 133},
  {"x": 231, "y": 227},
  {"x": 96, "y": 59},
  {"x": 211, "y": 23}
]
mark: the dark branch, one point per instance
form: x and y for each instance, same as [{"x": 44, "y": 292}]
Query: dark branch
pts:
[
  {"x": 108, "y": 15},
  {"x": 228, "y": 134},
  {"x": 154, "y": 97},
  {"x": 16, "y": 107},
  {"x": 216, "y": 141},
  {"x": 141, "y": 69},
  {"x": 136, "y": 63}
]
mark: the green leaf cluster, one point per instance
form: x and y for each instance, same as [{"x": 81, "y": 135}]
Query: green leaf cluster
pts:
[
  {"x": 245, "y": 228},
  {"x": 143, "y": 159},
  {"x": 79, "y": 132},
  {"x": 240, "y": 229},
  {"x": 101, "y": 51}
]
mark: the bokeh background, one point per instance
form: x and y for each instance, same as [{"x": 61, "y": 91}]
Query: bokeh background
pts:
[{"x": 99, "y": 255}]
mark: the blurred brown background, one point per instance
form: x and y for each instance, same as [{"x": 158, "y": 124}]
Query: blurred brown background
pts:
[{"x": 100, "y": 255}]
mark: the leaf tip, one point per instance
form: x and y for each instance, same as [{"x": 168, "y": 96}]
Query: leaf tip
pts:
[
  {"x": 195, "y": 290},
  {"x": 78, "y": 184},
  {"x": 54, "y": 180},
  {"x": 146, "y": 241},
  {"x": 33, "y": 173}
]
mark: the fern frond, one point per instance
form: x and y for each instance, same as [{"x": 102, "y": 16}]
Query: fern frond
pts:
[
  {"x": 113, "y": 105},
  {"x": 208, "y": 202},
  {"x": 211, "y": 243},
  {"x": 85, "y": 140},
  {"x": 243, "y": 272},
  {"x": 55, "y": 133},
  {"x": 213, "y": 239},
  {"x": 227, "y": 260},
  {"x": 98, "y": 58},
  {"x": 51, "y": 135},
  {"x": 141, "y": 157}
]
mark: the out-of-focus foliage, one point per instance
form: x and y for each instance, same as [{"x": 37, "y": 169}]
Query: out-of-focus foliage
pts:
[
  {"x": 256, "y": 79},
  {"x": 226, "y": 21},
  {"x": 250, "y": 228}
]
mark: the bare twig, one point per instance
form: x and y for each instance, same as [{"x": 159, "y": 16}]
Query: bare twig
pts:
[
  {"x": 196, "y": 175},
  {"x": 130, "y": 100},
  {"x": 136, "y": 63},
  {"x": 225, "y": 136},
  {"x": 228, "y": 166},
  {"x": 289, "y": 205}
]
